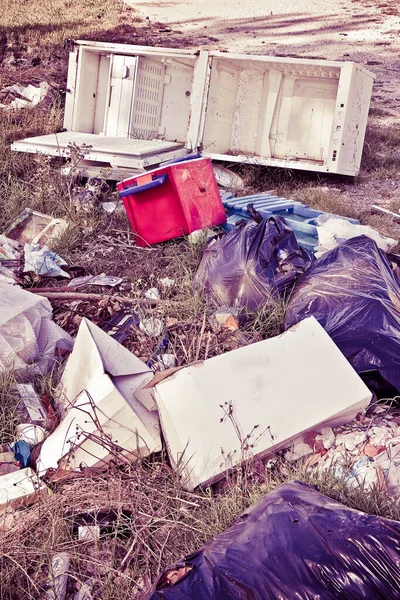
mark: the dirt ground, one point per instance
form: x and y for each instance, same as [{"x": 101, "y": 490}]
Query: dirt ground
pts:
[{"x": 364, "y": 31}]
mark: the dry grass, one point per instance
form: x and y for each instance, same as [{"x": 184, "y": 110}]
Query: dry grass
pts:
[{"x": 156, "y": 523}]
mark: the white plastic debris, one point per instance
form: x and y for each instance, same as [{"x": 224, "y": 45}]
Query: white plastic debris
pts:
[
  {"x": 152, "y": 326},
  {"x": 58, "y": 579},
  {"x": 153, "y": 294},
  {"x": 24, "y": 96},
  {"x": 297, "y": 451},
  {"x": 167, "y": 282},
  {"x": 28, "y": 335},
  {"x": 209, "y": 410},
  {"x": 167, "y": 361},
  {"x": 31, "y": 434},
  {"x": 88, "y": 533},
  {"x": 351, "y": 440},
  {"x": 102, "y": 279},
  {"x": 109, "y": 207},
  {"x": 227, "y": 178},
  {"x": 200, "y": 236},
  {"x": 43, "y": 261},
  {"x": 9, "y": 249},
  {"x": 327, "y": 437},
  {"x": 335, "y": 231}
]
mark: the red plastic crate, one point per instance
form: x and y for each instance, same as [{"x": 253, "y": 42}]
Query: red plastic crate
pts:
[{"x": 173, "y": 200}]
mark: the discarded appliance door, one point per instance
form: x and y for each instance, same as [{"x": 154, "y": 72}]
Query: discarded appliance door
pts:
[
  {"x": 133, "y": 107},
  {"x": 172, "y": 201},
  {"x": 354, "y": 294},
  {"x": 254, "y": 401},
  {"x": 293, "y": 543}
]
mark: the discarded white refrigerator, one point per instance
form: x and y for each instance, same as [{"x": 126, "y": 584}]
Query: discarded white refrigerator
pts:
[{"x": 132, "y": 107}]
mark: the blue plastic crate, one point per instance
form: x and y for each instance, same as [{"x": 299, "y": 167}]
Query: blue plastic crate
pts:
[{"x": 299, "y": 217}]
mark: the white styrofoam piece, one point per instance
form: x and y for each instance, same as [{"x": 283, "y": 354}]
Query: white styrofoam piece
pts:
[
  {"x": 286, "y": 385},
  {"x": 20, "y": 487}
]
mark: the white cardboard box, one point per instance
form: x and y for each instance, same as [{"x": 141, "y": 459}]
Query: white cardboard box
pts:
[{"x": 285, "y": 385}]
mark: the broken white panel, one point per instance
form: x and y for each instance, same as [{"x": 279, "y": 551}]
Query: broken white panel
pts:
[
  {"x": 103, "y": 405},
  {"x": 20, "y": 488},
  {"x": 285, "y": 386}
]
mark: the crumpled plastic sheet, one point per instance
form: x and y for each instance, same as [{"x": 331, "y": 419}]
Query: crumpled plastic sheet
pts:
[
  {"x": 294, "y": 543},
  {"x": 354, "y": 293},
  {"x": 251, "y": 265},
  {"x": 335, "y": 231},
  {"x": 44, "y": 261},
  {"x": 28, "y": 335}
]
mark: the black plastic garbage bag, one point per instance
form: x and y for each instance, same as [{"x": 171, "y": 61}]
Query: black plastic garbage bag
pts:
[
  {"x": 252, "y": 264},
  {"x": 295, "y": 543},
  {"x": 355, "y": 295}
]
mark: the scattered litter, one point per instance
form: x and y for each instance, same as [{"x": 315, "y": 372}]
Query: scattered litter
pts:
[
  {"x": 167, "y": 282},
  {"x": 336, "y": 231},
  {"x": 239, "y": 408},
  {"x": 22, "y": 453},
  {"x": 30, "y": 407},
  {"x": 109, "y": 207},
  {"x": 20, "y": 488},
  {"x": 19, "y": 96},
  {"x": 28, "y": 336},
  {"x": 103, "y": 279},
  {"x": 251, "y": 265},
  {"x": 153, "y": 294},
  {"x": 172, "y": 201},
  {"x": 88, "y": 198},
  {"x": 105, "y": 411},
  {"x": 200, "y": 236},
  {"x": 31, "y": 434},
  {"x": 152, "y": 326},
  {"x": 121, "y": 324},
  {"x": 226, "y": 178},
  {"x": 362, "y": 450},
  {"x": 294, "y": 542},
  {"x": 9, "y": 249},
  {"x": 85, "y": 591},
  {"x": 10, "y": 260},
  {"x": 301, "y": 218},
  {"x": 88, "y": 533},
  {"x": 379, "y": 209},
  {"x": 32, "y": 227},
  {"x": 43, "y": 261},
  {"x": 228, "y": 318},
  {"x": 58, "y": 579},
  {"x": 355, "y": 295}
]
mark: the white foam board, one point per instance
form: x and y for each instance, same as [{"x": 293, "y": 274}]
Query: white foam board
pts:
[{"x": 286, "y": 386}]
